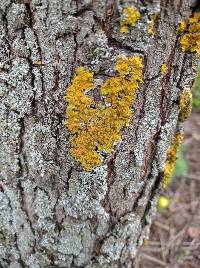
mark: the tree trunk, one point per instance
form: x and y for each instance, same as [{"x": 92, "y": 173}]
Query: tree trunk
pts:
[{"x": 53, "y": 213}]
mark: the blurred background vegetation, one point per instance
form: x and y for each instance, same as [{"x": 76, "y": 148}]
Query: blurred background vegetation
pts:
[
  {"x": 174, "y": 240},
  {"x": 196, "y": 91},
  {"x": 181, "y": 167}
]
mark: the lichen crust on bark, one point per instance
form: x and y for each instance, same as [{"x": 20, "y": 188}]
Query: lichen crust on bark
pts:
[{"x": 53, "y": 212}]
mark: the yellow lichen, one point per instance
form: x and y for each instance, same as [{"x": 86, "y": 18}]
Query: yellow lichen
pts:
[
  {"x": 185, "y": 104},
  {"x": 171, "y": 158},
  {"x": 38, "y": 62},
  {"x": 163, "y": 68},
  {"x": 151, "y": 25},
  {"x": 181, "y": 27},
  {"x": 97, "y": 125},
  {"x": 124, "y": 29},
  {"x": 190, "y": 42},
  {"x": 130, "y": 15}
]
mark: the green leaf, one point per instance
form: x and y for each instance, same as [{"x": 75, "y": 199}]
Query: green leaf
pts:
[
  {"x": 181, "y": 166},
  {"x": 196, "y": 91}
]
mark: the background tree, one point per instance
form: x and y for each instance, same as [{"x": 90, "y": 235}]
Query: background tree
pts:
[{"x": 53, "y": 212}]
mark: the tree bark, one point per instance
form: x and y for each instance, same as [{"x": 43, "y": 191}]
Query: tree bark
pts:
[{"x": 53, "y": 213}]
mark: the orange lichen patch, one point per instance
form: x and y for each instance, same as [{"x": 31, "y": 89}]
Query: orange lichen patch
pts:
[
  {"x": 130, "y": 15},
  {"x": 151, "y": 25},
  {"x": 171, "y": 158},
  {"x": 163, "y": 68},
  {"x": 185, "y": 104},
  {"x": 181, "y": 27},
  {"x": 96, "y": 126},
  {"x": 190, "y": 42}
]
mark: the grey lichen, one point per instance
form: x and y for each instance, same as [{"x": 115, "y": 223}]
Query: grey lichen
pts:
[
  {"x": 123, "y": 241},
  {"x": 86, "y": 191},
  {"x": 150, "y": 121},
  {"x": 166, "y": 135}
]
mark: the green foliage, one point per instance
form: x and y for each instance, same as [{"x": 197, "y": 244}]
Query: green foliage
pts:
[
  {"x": 196, "y": 91},
  {"x": 183, "y": 255},
  {"x": 181, "y": 166}
]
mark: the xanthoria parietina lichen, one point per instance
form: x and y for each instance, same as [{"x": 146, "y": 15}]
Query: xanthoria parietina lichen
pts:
[
  {"x": 163, "y": 68},
  {"x": 190, "y": 41},
  {"x": 151, "y": 25},
  {"x": 171, "y": 158},
  {"x": 96, "y": 126},
  {"x": 185, "y": 104},
  {"x": 130, "y": 16}
]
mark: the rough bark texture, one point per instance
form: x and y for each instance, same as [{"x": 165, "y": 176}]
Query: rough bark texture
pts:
[{"x": 52, "y": 212}]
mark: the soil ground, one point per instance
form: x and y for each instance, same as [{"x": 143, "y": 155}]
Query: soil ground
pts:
[{"x": 174, "y": 240}]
